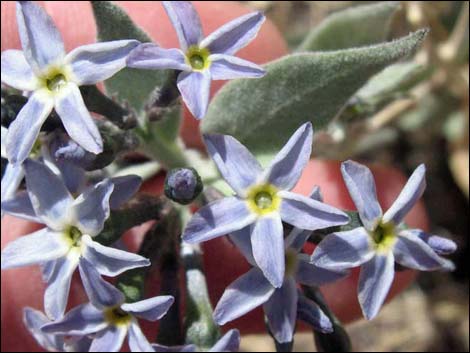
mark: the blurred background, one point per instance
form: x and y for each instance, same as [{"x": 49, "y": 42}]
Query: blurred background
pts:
[{"x": 413, "y": 112}]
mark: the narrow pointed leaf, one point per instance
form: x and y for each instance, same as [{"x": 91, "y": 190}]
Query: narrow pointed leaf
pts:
[{"x": 263, "y": 112}]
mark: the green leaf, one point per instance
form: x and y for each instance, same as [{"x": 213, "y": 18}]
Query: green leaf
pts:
[
  {"x": 263, "y": 113},
  {"x": 354, "y": 27},
  {"x": 392, "y": 80},
  {"x": 130, "y": 85}
]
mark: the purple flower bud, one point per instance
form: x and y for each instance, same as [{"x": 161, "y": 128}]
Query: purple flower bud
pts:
[{"x": 183, "y": 185}]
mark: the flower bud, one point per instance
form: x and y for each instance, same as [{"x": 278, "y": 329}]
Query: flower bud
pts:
[{"x": 183, "y": 185}]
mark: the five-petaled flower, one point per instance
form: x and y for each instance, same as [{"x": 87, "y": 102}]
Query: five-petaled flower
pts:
[
  {"x": 52, "y": 78},
  {"x": 201, "y": 60},
  {"x": 262, "y": 201},
  {"x": 67, "y": 241},
  {"x": 284, "y": 305},
  {"x": 382, "y": 240},
  {"x": 107, "y": 317}
]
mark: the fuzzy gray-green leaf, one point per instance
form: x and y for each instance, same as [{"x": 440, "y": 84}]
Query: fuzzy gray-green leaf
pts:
[
  {"x": 393, "y": 80},
  {"x": 263, "y": 113},
  {"x": 130, "y": 85},
  {"x": 354, "y": 27}
]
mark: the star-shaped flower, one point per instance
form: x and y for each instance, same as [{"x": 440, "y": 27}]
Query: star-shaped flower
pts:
[
  {"x": 263, "y": 200},
  {"x": 382, "y": 240},
  {"x": 34, "y": 320},
  {"x": 282, "y": 306},
  {"x": 65, "y": 158},
  {"x": 107, "y": 317},
  {"x": 67, "y": 241},
  {"x": 201, "y": 59},
  {"x": 52, "y": 78}
]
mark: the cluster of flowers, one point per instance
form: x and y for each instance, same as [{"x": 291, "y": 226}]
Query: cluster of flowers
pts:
[{"x": 74, "y": 210}]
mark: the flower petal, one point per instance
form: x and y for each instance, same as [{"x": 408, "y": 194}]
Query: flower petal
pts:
[
  {"x": 236, "y": 164},
  {"x": 231, "y": 37},
  {"x": 287, "y": 166},
  {"x": 227, "y": 67},
  {"x": 97, "y": 62},
  {"x": 312, "y": 275},
  {"x": 230, "y": 342},
  {"x": 186, "y": 21},
  {"x": 243, "y": 295},
  {"x": 124, "y": 188},
  {"x": 35, "y": 248},
  {"x": 109, "y": 340},
  {"x": 151, "y": 309},
  {"x": 306, "y": 213},
  {"x": 101, "y": 293},
  {"x": 309, "y": 312},
  {"x": 16, "y": 71},
  {"x": 74, "y": 177},
  {"x": 40, "y": 39},
  {"x": 408, "y": 197},
  {"x": 24, "y": 130},
  {"x": 411, "y": 251},
  {"x": 316, "y": 194},
  {"x": 137, "y": 340},
  {"x": 20, "y": 206},
  {"x": 186, "y": 348},
  {"x": 343, "y": 250},
  {"x": 218, "y": 218},
  {"x": 267, "y": 242},
  {"x": 440, "y": 245},
  {"x": 152, "y": 57},
  {"x": 281, "y": 311},
  {"x": 242, "y": 240},
  {"x": 34, "y": 320},
  {"x": 361, "y": 186},
  {"x": 50, "y": 198},
  {"x": 109, "y": 261},
  {"x": 195, "y": 88},
  {"x": 77, "y": 120},
  {"x": 375, "y": 281},
  {"x": 84, "y": 319},
  {"x": 92, "y": 207},
  {"x": 58, "y": 286},
  {"x": 297, "y": 237},
  {"x": 11, "y": 180},
  {"x": 47, "y": 269},
  {"x": 4, "y": 133}
]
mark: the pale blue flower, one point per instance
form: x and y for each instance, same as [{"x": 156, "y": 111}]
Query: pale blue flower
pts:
[
  {"x": 107, "y": 318},
  {"x": 263, "y": 200},
  {"x": 66, "y": 159},
  {"x": 382, "y": 240},
  {"x": 282, "y": 306},
  {"x": 52, "y": 78},
  {"x": 34, "y": 320},
  {"x": 201, "y": 59},
  {"x": 230, "y": 342},
  {"x": 68, "y": 238},
  {"x": 13, "y": 175}
]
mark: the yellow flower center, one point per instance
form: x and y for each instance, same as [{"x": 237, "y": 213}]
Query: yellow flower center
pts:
[
  {"x": 116, "y": 316},
  {"x": 36, "y": 149},
  {"x": 384, "y": 236},
  {"x": 262, "y": 199},
  {"x": 54, "y": 79},
  {"x": 291, "y": 262},
  {"x": 74, "y": 236},
  {"x": 56, "y": 82},
  {"x": 198, "y": 58}
]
